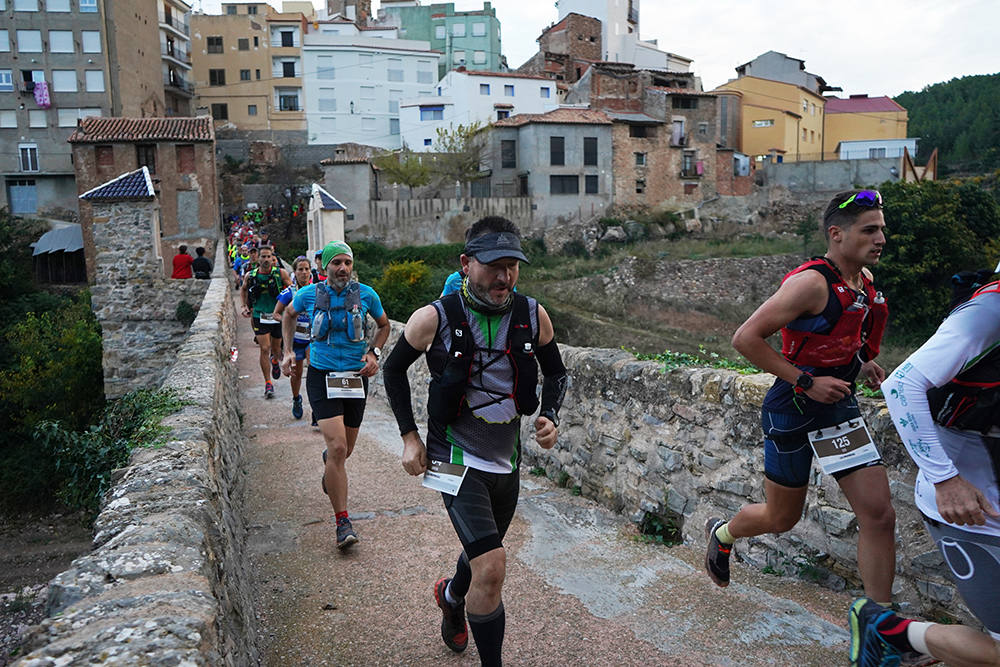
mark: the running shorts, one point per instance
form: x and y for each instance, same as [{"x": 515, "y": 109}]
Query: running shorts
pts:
[
  {"x": 272, "y": 330},
  {"x": 352, "y": 409},
  {"x": 483, "y": 509}
]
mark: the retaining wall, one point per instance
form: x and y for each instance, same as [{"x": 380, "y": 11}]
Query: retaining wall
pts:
[{"x": 167, "y": 582}]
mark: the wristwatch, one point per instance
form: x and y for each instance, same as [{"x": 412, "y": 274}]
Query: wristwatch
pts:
[
  {"x": 551, "y": 416},
  {"x": 377, "y": 351},
  {"x": 803, "y": 383}
]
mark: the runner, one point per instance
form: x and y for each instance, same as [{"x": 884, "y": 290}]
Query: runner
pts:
[
  {"x": 300, "y": 343},
  {"x": 259, "y": 293},
  {"x": 318, "y": 273},
  {"x": 945, "y": 402},
  {"x": 340, "y": 364},
  {"x": 484, "y": 346},
  {"x": 831, "y": 321}
]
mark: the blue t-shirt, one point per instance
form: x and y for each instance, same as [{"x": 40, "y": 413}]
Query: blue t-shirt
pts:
[
  {"x": 343, "y": 354},
  {"x": 302, "y": 321},
  {"x": 452, "y": 283}
]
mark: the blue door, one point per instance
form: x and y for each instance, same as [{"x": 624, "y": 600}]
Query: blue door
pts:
[{"x": 23, "y": 196}]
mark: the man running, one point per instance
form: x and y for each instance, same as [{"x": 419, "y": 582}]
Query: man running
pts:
[
  {"x": 259, "y": 294},
  {"x": 831, "y": 321},
  {"x": 340, "y": 363},
  {"x": 484, "y": 345},
  {"x": 945, "y": 402},
  {"x": 300, "y": 344}
]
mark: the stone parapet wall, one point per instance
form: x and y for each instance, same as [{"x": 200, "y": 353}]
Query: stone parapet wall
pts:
[
  {"x": 686, "y": 445},
  {"x": 167, "y": 582}
]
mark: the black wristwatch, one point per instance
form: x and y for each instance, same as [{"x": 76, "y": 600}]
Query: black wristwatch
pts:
[
  {"x": 377, "y": 351},
  {"x": 551, "y": 416},
  {"x": 804, "y": 383}
]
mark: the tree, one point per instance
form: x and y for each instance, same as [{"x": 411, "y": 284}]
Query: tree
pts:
[
  {"x": 460, "y": 152},
  {"x": 404, "y": 167}
]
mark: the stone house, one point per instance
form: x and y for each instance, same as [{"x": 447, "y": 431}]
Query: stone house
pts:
[
  {"x": 180, "y": 156},
  {"x": 566, "y": 49},
  {"x": 324, "y": 219}
]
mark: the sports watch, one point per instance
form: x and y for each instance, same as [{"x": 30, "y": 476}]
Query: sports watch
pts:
[
  {"x": 803, "y": 383},
  {"x": 377, "y": 351}
]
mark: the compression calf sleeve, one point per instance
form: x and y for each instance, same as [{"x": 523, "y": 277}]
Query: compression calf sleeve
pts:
[
  {"x": 488, "y": 630},
  {"x": 459, "y": 585},
  {"x": 556, "y": 379},
  {"x": 397, "y": 385}
]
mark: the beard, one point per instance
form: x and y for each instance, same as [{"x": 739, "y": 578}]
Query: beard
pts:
[{"x": 338, "y": 283}]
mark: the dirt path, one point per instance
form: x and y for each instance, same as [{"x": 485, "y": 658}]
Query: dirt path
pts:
[{"x": 580, "y": 588}]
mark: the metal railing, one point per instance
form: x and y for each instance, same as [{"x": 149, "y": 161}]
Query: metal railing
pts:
[
  {"x": 176, "y": 24},
  {"x": 178, "y": 54},
  {"x": 179, "y": 84}
]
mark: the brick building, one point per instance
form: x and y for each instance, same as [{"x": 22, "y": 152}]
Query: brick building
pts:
[
  {"x": 180, "y": 156},
  {"x": 566, "y": 49}
]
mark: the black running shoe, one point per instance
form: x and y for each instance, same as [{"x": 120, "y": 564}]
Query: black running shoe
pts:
[
  {"x": 275, "y": 368},
  {"x": 868, "y": 647},
  {"x": 268, "y": 389},
  {"x": 297, "y": 407},
  {"x": 346, "y": 537},
  {"x": 453, "y": 629},
  {"x": 717, "y": 554}
]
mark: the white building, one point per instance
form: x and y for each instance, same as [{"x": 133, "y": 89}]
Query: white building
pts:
[
  {"x": 324, "y": 220},
  {"x": 872, "y": 149},
  {"x": 463, "y": 97},
  {"x": 354, "y": 83}
]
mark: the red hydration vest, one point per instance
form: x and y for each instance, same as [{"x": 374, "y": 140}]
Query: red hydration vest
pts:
[{"x": 858, "y": 329}]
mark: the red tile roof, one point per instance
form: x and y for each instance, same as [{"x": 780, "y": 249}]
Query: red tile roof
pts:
[
  {"x": 561, "y": 115},
  {"x": 861, "y": 105},
  {"x": 94, "y": 130}
]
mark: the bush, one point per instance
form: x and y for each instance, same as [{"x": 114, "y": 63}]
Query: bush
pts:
[
  {"x": 404, "y": 287},
  {"x": 185, "y": 313}
]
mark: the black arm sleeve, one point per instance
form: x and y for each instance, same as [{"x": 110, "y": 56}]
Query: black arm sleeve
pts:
[
  {"x": 397, "y": 385},
  {"x": 556, "y": 378}
]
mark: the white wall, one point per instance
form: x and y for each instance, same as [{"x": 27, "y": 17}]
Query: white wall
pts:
[{"x": 861, "y": 150}]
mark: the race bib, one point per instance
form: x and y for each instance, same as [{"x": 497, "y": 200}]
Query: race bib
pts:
[
  {"x": 445, "y": 477},
  {"x": 843, "y": 446},
  {"x": 344, "y": 385},
  {"x": 302, "y": 331},
  {"x": 267, "y": 320}
]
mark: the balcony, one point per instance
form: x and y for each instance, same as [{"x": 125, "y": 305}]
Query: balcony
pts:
[
  {"x": 678, "y": 141},
  {"x": 175, "y": 24},
  {"x": 175, "y": 53},
  {"x": 690, "y": 172},
  {"x": 179, "y": 85},
  {"x": 26, "y": 88}
]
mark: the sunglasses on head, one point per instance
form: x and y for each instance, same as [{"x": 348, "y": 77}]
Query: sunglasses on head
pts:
[{"x": 866, "y": 198}]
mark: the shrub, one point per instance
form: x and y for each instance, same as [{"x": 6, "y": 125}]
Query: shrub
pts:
[
  {"x": 185, "y": 313},
  {"x": 404, "y": 287}
]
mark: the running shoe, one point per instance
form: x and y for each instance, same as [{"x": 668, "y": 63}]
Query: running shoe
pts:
[
  {"x": 453, "y": 629},
  {"x": 717, "y": 555},
  {"x": 297, "y": 407},
  {"x": 268, "y": 390},
  {"x": 346, "y": 536},
  {"x": 868, "y": 648},
  {"x": 275, "y": 368}
]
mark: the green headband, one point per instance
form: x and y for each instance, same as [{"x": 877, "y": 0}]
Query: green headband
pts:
[{"x": 335, "y": 248}]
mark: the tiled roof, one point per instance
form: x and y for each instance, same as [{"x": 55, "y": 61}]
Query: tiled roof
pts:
[
  {"x": 503, "y": 75},
  {"x": 94, "y": 130},
  {"x": 680, "y": 91},
  {"x": 560, "y": 115},
  {"x": 633, "y": 117},
  {"x": 328, "y": 202},
  {"x": 861, "y": 104},
  {"x": 132, "y": 186}
]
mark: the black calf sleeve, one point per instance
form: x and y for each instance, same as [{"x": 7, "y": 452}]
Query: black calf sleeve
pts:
[
  {"x": 397, "y": 385},
  {"x": 488, "y": 631}
]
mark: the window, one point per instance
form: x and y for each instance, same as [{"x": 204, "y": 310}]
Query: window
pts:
[
  {"x": 805, "y": 134},
  {"x": 368, "y": 124},
  {"x": 28, "y": 154},
  {"x": 61, "y": 41},
  {"x": 508, "y": 154},
  {"x": 367, "y": 98},
  {"x": 216, "y": 77},
  {"x": 66, "y": 117},
  {"x": 427, "y": 142},
  {"x": 86, "y": 112},
  {"x": 244, "y": 75},
  {"x": 458, "y": 30},
  {"x": 4, "y": 41},
  {"x": 365, "y": 60},
  {"x": 478, "y": 29},
  {"x": 564, "y": 185},
  {"x": 557, "y": 151},
  {"x": 479, "y": 57},
  {"x": 287, "y": 38},
  {"x": 29, "y": 41},
  {"x": 590, "y": 184},
  {"x": 185, "y": 158},
  {"x": 763, "y": 123},
  {"x": 805, "y": 106},
  {"x": 684, "y": 102},
  {"x": 220, "y": 111},
  {"x": 640, "y": 186},
  {"x": 508, "y": 90},
  {"x": 638, "y": 131},
  {"x": 256, "y": 41},
  {"x": 251, "y": 9},
  {"x": 425, "y": 76},
  {"x": 57, "y": 6},
  {"x": 64, "y": 81},
  {"x": 324, "y": 67},
  {"x": 687, "y": 163},
  {"x": 874, "y": 153},
  {"x": 25, "y": 5},
  {"x": 439, "y": 32},
  {"x": 812, "y": 136},
  {"x": 327, "y": 100},
  {"x": 484, "y": 89},
  {"x": 243, "y": 44},
  {"x": 104, "y": 154},
  {"x": 288, "y": 100},
  {"x": 702, "y": 129},
  {"x": 91, "y": 40},
  {"x": 231, "y": 10},
  {"x": 812, "y": 109},
  {"x": 394, "y": 70},
  {"x": 503, "y": 113},
  {"x": 545, "y": 92},
  {"x": 640, "y": 159},
  {"x": 6, "y": 81},
  {"x": 394, "y": 97},
  {"x": 145, "y": 156},
  {"x": 8, "y": 118},
  {"x": 38, "y": 118},
  {"x": 256, "y": 74},
  {"x": 590, "y": 151},
  {"x": 214, "y": 43},
  {"x": 393, "y": 126},
  {"x": 287, "y": 69},
  {"x": 459, "y": 56},
  {"x": 432, "y": 113},
  {"x": 251, "y": 109}
]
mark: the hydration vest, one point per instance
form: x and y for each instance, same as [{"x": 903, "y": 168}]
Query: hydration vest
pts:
[
  {"x": 971, "y": 401},
  {"x": 326, "y": 319},
  {"x": 859, "y": 327},
  {"x": 258, "y": 284},
  {"x": 446, "y": 398}
]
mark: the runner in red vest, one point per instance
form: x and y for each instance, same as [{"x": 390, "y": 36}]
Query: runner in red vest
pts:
[{"x": 831, "y": 320}]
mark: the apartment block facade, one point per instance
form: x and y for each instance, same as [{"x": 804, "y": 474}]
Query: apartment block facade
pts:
[{"x": 175, "y": 53}]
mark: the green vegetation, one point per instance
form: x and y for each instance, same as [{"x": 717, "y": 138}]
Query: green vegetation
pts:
[
  {"x": 672, "y": 360},
  {"x": 656, "y": 529},
  {"x": 959, "y": 118},
  {"x": 404, "y": 287},
  {"x": 423, "y": 270}
]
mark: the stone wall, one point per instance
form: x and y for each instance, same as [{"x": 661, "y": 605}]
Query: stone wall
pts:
[
  {"x": 830, "y": 175},
  {"x": 167, "y": 582},
  {"x": 686, "y": 445}
]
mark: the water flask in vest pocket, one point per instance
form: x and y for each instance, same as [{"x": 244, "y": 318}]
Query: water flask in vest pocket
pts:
[
  {"x": 321, "y": 325},
  {"x": 357, "y": 328}
]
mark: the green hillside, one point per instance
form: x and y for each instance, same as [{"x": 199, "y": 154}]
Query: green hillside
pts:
[{"x": 961, "y": 118}]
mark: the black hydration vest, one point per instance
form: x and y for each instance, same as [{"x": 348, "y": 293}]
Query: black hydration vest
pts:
[
  {"x": 450, "y": 376},
  {"x": 270, "y": 282}
]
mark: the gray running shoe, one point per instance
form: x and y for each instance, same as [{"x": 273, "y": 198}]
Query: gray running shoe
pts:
[
  {"x": 717, "y": 554},
  {"x": 346, "y": 537}
]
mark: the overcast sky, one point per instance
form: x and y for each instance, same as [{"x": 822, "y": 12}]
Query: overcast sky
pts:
[{"x": 879, "y": 47}]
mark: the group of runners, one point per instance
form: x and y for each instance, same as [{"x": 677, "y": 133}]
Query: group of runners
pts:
[{"x": 484, "y": 345}]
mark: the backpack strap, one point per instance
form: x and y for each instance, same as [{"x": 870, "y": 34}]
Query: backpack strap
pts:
[
  {"x": 520, "y": 318},
  {"x": 461, "y": 333}
]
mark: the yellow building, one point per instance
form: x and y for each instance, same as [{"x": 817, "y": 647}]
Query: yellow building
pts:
[
  {"x": 248, "y": 69},
  {"x": 780, "y": 122},
  {"x": 861, "y": 118}
]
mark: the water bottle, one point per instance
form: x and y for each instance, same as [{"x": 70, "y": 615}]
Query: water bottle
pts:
[
  {"x": 357, "y": 325},
  {"x": 234, "y": 354},
  {"x": 879, "y": 298},
  {"x": 859, "y": 304}
]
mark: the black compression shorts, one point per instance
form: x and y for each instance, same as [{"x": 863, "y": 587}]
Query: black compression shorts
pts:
[
  {"x": 272, "y": 330},
  {"x": 483, "y": 509},
  {"x": 353, "y": 409}
]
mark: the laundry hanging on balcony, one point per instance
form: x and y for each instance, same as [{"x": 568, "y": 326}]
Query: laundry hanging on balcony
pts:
[{"x": 42, "y": 95}]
